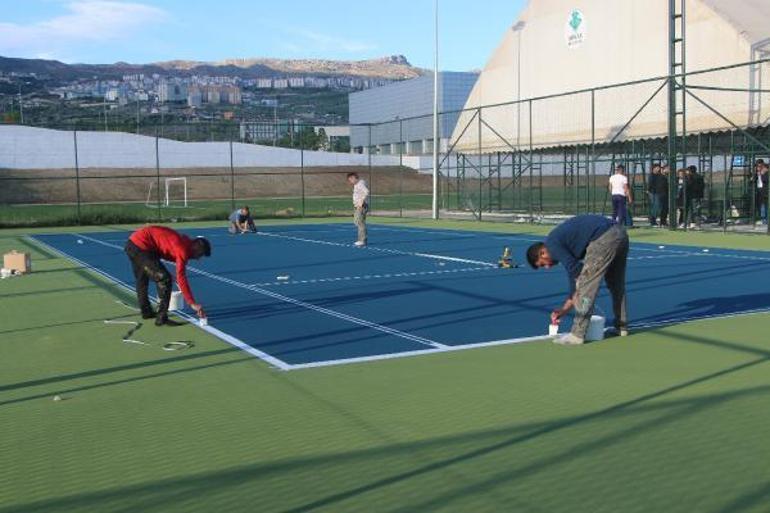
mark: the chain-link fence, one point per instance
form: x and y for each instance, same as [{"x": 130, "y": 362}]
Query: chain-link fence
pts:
[{"x": 536, "y": 159}]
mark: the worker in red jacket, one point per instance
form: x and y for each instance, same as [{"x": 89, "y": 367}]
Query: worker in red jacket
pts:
[{"x": 145, "y": 248}]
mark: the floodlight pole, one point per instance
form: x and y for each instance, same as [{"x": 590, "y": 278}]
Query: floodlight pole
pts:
[{"x": 435, "y": 114}]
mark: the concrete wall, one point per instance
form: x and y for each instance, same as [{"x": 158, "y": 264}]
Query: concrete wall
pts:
[{"x": 39, "y": 148}]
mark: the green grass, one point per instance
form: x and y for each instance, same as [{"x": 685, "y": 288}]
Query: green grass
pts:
[
  {"x": 670, "y": 420},
  {"x": 263, "y": 208}
]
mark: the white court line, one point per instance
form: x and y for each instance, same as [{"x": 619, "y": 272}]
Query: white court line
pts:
[
  {"x": 275, "y": 362},
  {"x": 380, "y": 250},
  {"x": 445, "y": 349},
  {"x": 284, "y": 366},
  {"x": 701, "y": 253},
  {"x": 297, "y": 302},
  {"x": 371, "y": 277}
]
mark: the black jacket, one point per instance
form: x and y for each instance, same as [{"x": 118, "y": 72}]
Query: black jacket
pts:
[{"x": 659, "y": 184}]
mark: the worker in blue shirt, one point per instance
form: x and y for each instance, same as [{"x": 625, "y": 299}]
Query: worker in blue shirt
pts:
[
  {"x": 241, "y": 221},
  {"x": 590, "y": 248}
]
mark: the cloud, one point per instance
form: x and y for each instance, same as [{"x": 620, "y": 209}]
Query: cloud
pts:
[
  {"x": 327, "y": 42},
  {"x": 312, "y": 41},
  {"x": 86, "y": 22}
]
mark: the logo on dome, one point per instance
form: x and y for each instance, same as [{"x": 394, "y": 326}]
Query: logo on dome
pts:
[{"x": 575, "y": 29}]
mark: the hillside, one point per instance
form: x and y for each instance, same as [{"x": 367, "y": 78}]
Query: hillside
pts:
[{"x": 394, "y": 68}]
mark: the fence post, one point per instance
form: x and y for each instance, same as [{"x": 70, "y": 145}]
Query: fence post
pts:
[
  {"x": 232, "y": 178},
  {"x": 157, "y": 173},
  {"x": 77, "y": 174},
  {"x": 479, "y": 163},
  {"x": 400, "y": 168},
  {"x": 531, "y": 162},
  {"x": 302, "y": 171},
  {"x": 592, "y": 181},
  {"x": 369, "y": 160}
]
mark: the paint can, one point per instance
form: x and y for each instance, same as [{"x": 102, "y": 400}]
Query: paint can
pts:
[
  {"x": 177, "y": 301},
  {"x": 595, "y": 328}
]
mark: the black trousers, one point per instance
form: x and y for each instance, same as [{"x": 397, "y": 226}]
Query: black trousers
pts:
[
  {"x": 664, "y": 209},
  {"x": 147, "y": 266}
]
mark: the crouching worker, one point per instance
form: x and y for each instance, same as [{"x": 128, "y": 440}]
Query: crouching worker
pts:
[
  {"x": 241, "y": 221},
  {"x": 590, "y": 248},
  {"x": 145, "y": 248}
]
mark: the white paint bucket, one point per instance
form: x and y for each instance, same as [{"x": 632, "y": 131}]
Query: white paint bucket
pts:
[
  {"x": 5, "y": 273},
  {"x": 553, "y": 330},
  {"x": 177, "y": 301},
  {"x": 595, "y": 328}
]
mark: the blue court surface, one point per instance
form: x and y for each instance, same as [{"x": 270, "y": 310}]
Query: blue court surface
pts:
[{"x": 303, "y": 296}]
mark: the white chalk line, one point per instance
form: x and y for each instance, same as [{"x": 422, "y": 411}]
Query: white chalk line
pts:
[
  {"x": 226, "y": 337},
  {"x": 371, "y": 277},
  {"x": 380, "y": 250}
]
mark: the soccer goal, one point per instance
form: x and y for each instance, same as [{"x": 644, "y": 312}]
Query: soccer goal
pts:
[{"x": 174, "y": 193}]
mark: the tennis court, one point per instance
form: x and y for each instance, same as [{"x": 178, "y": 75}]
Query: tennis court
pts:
[{"x": 300, "y": 296}]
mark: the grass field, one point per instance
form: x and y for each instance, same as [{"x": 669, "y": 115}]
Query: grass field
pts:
[
  {"x": 671, "y": 420},
  {"x": 112, "y": 213}
]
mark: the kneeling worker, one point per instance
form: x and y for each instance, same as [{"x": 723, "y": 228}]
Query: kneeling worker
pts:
[
  {"x": 145, "y": 248},
  {"x": 590, "y": 248},
  {"x": 241, "y": 221}
]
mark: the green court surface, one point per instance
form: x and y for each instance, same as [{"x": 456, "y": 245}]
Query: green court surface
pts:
[{"x": 669, "y": 420}]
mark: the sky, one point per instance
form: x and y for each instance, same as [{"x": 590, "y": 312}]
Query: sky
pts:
[{"x": 143, "y": 31}]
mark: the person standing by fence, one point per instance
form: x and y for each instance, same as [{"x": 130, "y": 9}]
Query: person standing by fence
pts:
[
  {"x": 662, "y": 190},
  {"x": 621, "y": 195},
  {"x": 696, "y": 193},
  {"x": 652, "y": 191},
  {"x": 361, "y": 206},
  {"x": 761, "y": 186}
]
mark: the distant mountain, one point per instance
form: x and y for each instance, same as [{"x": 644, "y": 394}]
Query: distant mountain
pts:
[{"x": 395, "y": 67}]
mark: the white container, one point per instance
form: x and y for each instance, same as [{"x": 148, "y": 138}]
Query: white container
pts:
[
  {"x": 5, "y": 273},
  {"x": 595, "y": 328},
  {"x": 553, "y": 330},
  {"x": 177, "y": 301}
]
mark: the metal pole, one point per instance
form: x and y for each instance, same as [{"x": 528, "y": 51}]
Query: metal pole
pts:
[
  {"x": 232, "y": 178},
  {"x": 531, "y": 161},
  {"x": 672, "y": 128},
  {"x": 435, "y": 114},
  {"x": 480, "y": 164},
  {"x": 157, "y": 174},
  {"x": 77, "y": 173},
  {"x": 369, "y": 163},
  {"x": 302, "y": 171},
  {"x": 400, "y": 168}
]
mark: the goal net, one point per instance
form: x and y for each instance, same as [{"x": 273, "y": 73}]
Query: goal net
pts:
[{"x": 173, "y": 192}]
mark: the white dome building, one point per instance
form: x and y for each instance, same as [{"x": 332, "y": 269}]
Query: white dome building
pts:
[{"x": 584, "y": 46}]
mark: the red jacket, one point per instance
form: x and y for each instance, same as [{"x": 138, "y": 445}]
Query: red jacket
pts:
[{"x": 170, "y": 245}]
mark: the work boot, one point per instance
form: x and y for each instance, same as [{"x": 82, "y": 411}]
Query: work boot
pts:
[
  {"x": 148, "y": 314},
  {"x": 163, "y": 320}
]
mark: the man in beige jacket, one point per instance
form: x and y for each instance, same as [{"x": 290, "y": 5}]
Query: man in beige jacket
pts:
[{"x": 361, "y": 206}]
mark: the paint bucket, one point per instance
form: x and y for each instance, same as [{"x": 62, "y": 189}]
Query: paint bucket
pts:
[
  {"x": 5, "y": 273},
  {"x": 553, "y": 330},
  {"x": 595, "y": 328},
  {"x": 177, "y": 301}
]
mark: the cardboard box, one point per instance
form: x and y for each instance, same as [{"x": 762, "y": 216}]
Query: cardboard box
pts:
[{"x": 19, "y": 262}]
